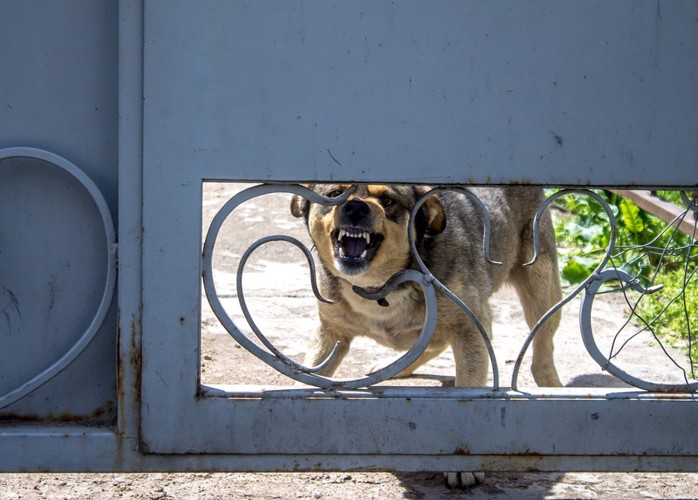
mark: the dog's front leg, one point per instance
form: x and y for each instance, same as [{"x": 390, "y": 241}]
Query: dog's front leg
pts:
[
  {"x": 320, "y": 347},
  {"x": 472, "y": 363},
  {"x": 471, "y": 358},
  {"x": 463, "y": 479}
]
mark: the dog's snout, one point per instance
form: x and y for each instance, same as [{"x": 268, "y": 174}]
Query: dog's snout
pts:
[{"x": 356, "y": 211}]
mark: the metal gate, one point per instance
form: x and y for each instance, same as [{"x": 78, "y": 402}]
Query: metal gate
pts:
[{"x": 155, "y": 99}]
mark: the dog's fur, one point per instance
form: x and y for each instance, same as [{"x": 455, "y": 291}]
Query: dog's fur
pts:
[{"x": 449, "y": 233}]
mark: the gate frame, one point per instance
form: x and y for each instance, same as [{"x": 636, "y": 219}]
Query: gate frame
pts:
[{"x": 664, "y": 421}]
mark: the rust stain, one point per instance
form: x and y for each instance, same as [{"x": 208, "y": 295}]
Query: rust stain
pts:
[
  {"x": 132, "y": 368},
  {"x": 99, "y": 416}
]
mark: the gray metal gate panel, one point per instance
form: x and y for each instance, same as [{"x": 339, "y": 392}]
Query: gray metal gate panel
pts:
[
  {"x": 58, "y": 93},
  {"x": 289, "y": 107},
  {"x": 471, "y": 92},
  {"x": 617, "y": 106}
]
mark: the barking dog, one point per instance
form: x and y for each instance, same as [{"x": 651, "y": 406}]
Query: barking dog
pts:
[{"x": 364, "y": 241}]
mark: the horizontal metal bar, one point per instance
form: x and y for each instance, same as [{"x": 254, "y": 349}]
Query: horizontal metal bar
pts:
[
  {"x": 462, "y": 393},
  {"x": 476, "y": 423},
  {"x": 80, "y": 449}
]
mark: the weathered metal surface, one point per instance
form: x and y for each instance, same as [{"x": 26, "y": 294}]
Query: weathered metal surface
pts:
[
  {"x": 440, "y": 422},
  {"x": 499, "y": 122},
  {"x": 87, "y": 449},
  {"x": 59, "y": 94},
  {"x": 130, "y": 230},
  {"x": 542, "y": 92},
  {"x": 561, "y": 93},
  {"x": 58, "y": 272},
  {"x": 56, "y": 249}
]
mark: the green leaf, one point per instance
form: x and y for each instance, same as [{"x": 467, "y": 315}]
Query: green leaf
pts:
[
  {"x": 575, "y": 272},
  {"x": 631, "y": 217}
]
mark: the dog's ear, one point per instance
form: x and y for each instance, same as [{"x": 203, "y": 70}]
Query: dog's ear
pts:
[
  {"x": 299, "y": 206},
  {"x": 433, "y": 213}
]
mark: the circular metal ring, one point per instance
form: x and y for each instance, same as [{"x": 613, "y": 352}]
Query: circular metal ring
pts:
[{"x": 590, "y": 343}]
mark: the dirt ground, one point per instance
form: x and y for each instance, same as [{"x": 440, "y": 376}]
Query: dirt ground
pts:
[{"x": 275, "y": 282}]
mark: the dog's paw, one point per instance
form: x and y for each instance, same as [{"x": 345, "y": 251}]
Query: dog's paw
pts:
[
  {"x": 407, "y": 372},
  {"x": 463, "y": 479}
]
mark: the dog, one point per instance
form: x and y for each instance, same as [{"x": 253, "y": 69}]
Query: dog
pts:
[{"x": 363, "y": 241}]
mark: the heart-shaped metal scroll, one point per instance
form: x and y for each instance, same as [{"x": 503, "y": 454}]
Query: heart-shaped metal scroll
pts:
[
  {"x": 590, "y": 287},
  {"x": 54, "y": 161},
  {"x": 440, "y": 286},
  {"x": 536, "y": 251},
  {"x": 590, "y": 343},
  {"x": 423, "y": 277},
  {"x": 272, "y": 356}
]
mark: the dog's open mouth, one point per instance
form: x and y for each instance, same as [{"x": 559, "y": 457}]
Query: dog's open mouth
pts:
[{"x": 354, "y": 247}]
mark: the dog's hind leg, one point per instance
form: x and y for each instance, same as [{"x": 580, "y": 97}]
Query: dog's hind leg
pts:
[{"x": 538, "y": 287}]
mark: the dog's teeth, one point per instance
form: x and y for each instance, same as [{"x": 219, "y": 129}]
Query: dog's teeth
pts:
[
  {"x": 363, "y": 254},
  {"x": 342, "y": 232},
  {"x": 368, "y": 238}
]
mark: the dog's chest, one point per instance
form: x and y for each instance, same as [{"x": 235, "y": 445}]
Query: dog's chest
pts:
[{"x": 396, "y": 325}]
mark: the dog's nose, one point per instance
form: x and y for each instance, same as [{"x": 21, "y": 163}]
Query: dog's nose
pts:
[{"x": 356, "y": 211}]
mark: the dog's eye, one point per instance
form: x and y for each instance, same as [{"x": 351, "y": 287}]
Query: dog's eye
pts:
[
  {"x": 386, "y": 201},
  {"x": 335, "y": 193}
]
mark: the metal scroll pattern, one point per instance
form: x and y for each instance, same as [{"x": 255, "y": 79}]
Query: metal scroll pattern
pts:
[
  {"x": 606, "y": 272},
  {"x": 53, "y": 161}
]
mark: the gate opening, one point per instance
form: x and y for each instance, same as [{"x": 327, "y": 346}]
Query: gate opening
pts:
[{"x": 277, "y": 291}]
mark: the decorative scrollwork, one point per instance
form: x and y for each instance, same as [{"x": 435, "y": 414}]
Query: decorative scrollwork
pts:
[
  {"x": 429, "y": 285},
  {"x": 53, "y": 161},
  {"x": 605, "y": 362},
  {"x": 275, "y": 358},
  {"x": 579, "y": 288}
]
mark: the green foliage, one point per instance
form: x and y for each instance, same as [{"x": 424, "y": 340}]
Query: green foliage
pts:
[
  {"x": 673, "y": 311},
  {"x": 645, "y": 247},
  {"x": 583, "y": 231},
  {"x": 630, "y": 215}
]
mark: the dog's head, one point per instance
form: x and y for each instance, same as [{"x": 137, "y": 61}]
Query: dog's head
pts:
[{"x": 365, "y": 240}]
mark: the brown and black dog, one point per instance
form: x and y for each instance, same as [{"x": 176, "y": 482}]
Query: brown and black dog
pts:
[{"x": 364, "y": 241}]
